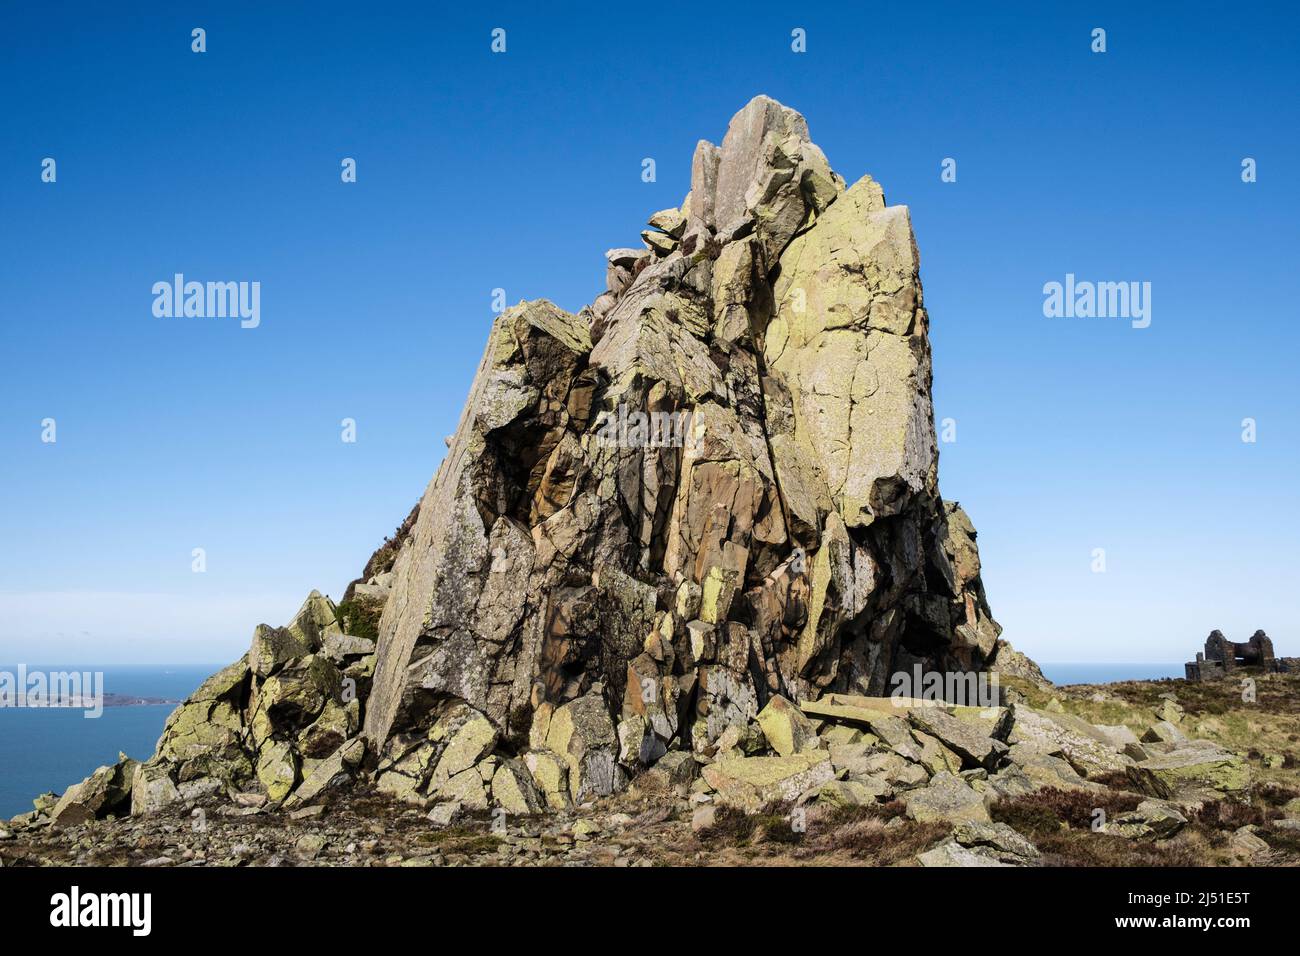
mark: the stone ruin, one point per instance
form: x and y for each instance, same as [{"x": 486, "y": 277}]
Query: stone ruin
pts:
[{"x": 1222, "y": 656}]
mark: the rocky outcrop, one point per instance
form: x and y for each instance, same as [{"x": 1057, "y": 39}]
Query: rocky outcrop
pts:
[
  {"x": 662, "y": 524},
  {"x": 283, "y": 720},
  {"x": 714, "y": 488}
]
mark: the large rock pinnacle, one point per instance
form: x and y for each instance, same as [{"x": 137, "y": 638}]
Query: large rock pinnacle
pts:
[
  {"x": 781, "y": 532},
  {"x": 711, "y": 491}
]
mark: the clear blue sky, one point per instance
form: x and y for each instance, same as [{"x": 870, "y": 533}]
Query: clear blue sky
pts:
[{"x": 478, "y": 171}]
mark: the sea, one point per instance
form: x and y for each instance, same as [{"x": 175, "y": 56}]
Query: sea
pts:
[
  {"x": 1088, "y": 672},
  {"x": 49, "y": 749}
]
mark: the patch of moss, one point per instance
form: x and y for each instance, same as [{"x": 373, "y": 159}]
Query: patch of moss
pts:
[{"x": 360, "y": 617}]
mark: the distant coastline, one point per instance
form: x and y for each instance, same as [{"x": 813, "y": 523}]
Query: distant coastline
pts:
[{"x": 109, "y": 700}]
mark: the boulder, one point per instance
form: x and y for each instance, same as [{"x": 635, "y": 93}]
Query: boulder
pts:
[
  {"x": 674, "y": 772},
  {"x": 974, "y": 843},
  {"x": 1088, "y": 750},
  {"x": 671, "y": 221},
  {"x": 550, "y": 773},
  {"x": 787, "y": 730},
  {"x": 1155, "y": 819},
  {"x": 1169, "y": 711},
  {"x": 106, "y": 791},
  {"x": 950, "y": 853},
  {"x": 638, "y": 745},
  {"x": 332, "y": 773},
  {"x": 1009, "y": 662},
  {"x": 462, "y": 737},
  {"x": 936, "y": 756},
  {"x": 1164, "y": 732},
  {"x": 1190, "y": 773},
  {"x": 1040, "y": 770},
  {"x": 582, "y": 733},
  {"x": 975, "y": 748},
  {"x": 513, "y": 789},
  {"x": 999, "y": 837},
  {"x": 895, "y": 770},
  {"x": 277, "y": 769},
  {"x": 861, "y": 792},
  {"x": 294, "y": 697},
  {"x": 1119, "y": 735},
  {"x": 1245, "y": 845},
  {"x": 340, "y": 647},
  {"x": 947, "y": 799},
  {"x": 751, "y": 783},
  {"x": 152, "y": 788},
  {"x": 275, "y": 646}
]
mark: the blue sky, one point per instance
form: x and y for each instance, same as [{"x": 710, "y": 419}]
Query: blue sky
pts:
[{"x": 478, "y": 171}]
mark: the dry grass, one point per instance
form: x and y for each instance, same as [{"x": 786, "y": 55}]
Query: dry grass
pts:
[
  {"x": 1047, "y": 811},
  {"x": 842, "y": 835}
]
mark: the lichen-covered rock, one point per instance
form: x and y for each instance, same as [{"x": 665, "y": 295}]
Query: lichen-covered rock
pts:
[
  {"x": 947, "y": 799},
  {"x": 106, "y": 791},
  {"x": 711, "y": 492},
  {"x": 787, "y": 730},
  {"x": 336, "y": 770},
  {"x": 1087, "y": 749},
  {"x": 1164, "y": 732},
  {"x": 274, "y": 646},
  {"x": 975, "y": 843},
  {"x": 750, "y": 783},
  {"x": 1156, "y": 819},
  {"x": 1033, "y": 768},
  {"x": 1192, "y": 772},
  {"x": 514, "y": 791},
  {"x": 550, "y": 773},
  {"x": 854, "y": 793},
  {"x": 152, "y": 789},
  {"x": 674, "y": 772},
  {"x": 583, "y": 734},
  {"x": 975, "y": 749},
  {"x": 1009, "y": 662},
  {"x": 465, "y": 738},
  {"x": 277, "y": 770}
]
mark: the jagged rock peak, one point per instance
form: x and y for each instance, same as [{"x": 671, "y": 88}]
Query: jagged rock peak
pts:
[
  {"x": 713, "y": 493},
  {"x": 730, "y": 494}
]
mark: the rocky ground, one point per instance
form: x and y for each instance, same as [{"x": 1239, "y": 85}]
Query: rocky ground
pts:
[{"x": 1207, "y": 779}]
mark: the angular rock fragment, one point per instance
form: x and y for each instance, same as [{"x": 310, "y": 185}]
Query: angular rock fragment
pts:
[
  {"x": 1191, "y": 773},
  {"x": 1156, "y": 819},
  {"x": 751, "y": 783},
  {"x": 106, "y": 791},
  {"x": 974, "y": 748},
  {"x": 1086, "y": 748},
  {"x": 787, "y": 730},
  {"x": 947, "y": 799}
]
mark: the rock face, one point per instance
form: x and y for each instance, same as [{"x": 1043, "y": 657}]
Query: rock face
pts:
[
  {"x": 279, "y": 726},
  {"x": 662, "y": 525},
  {"x": 714, "y": 486}
]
